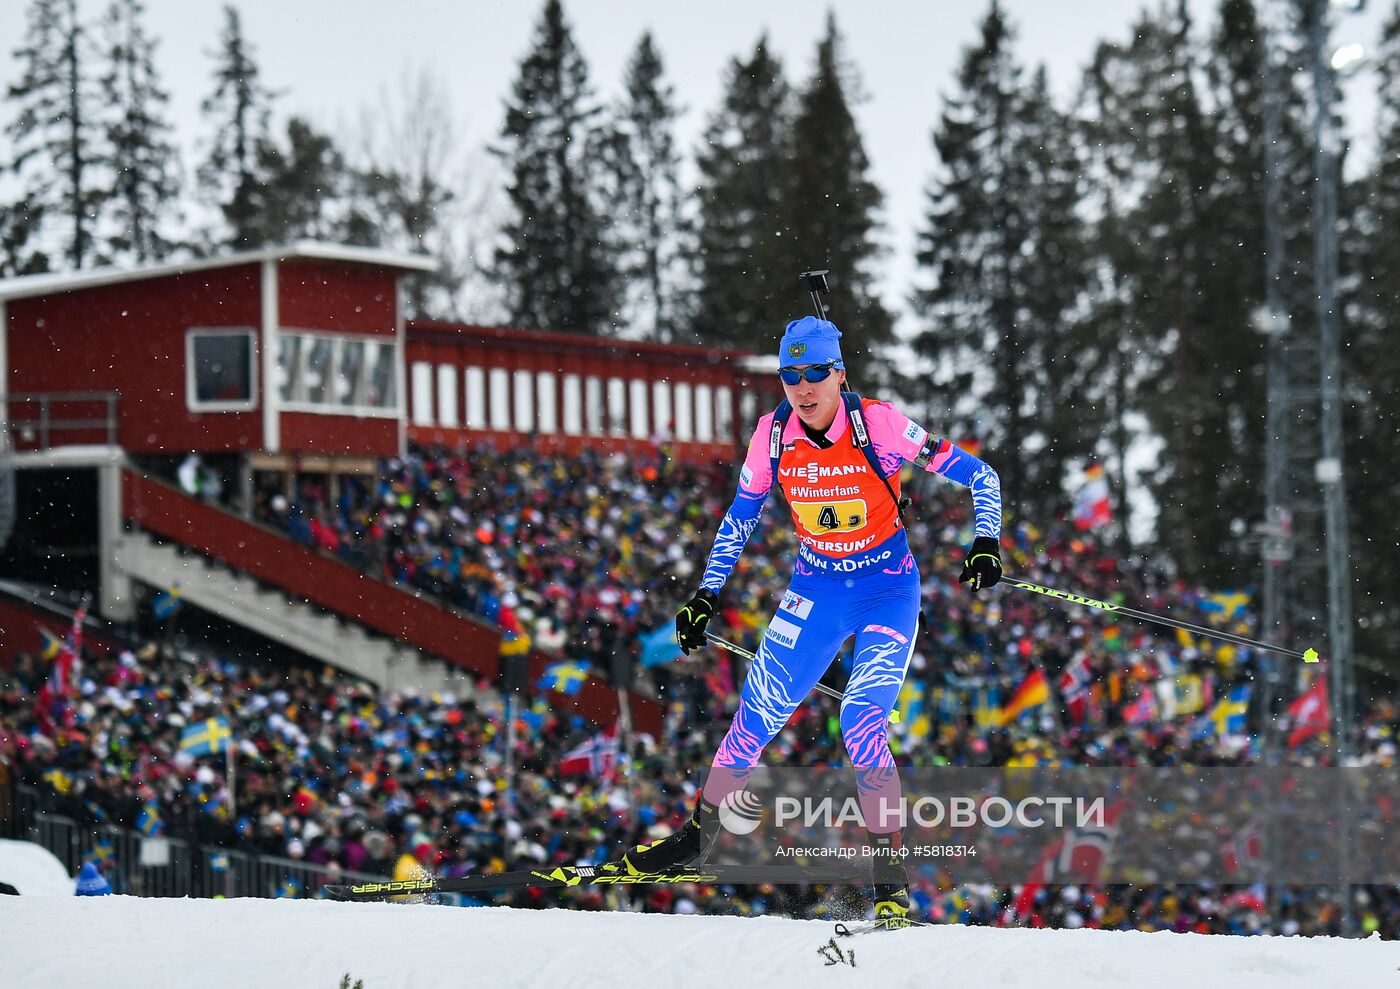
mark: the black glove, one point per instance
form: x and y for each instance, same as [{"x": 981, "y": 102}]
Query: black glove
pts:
[
  {"x": 982, "y": 568},
  {"x": 692, "y": 619}
]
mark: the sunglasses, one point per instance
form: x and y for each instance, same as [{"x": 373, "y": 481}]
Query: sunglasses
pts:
[{"x": 792, "y": 376}]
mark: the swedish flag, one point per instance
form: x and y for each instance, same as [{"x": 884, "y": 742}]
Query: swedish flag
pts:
[
  {"x": 1226, "y": 603},
  {"x": 1226, "y": 717},
  {"x": 60, "y": 781},
  {"x": 53, "y": 645},
  {"x": 100, "y": 854},
  {"x": 289, "y": 889},
  {"x": 148, "y": 822},
  {"x": 910, "y": 703},
  {"x": 205, "y": 737},
  {"x": 167, "y": 602},
  {"x": 564, "y": 678},
  {"x": 987, "y": 712}
]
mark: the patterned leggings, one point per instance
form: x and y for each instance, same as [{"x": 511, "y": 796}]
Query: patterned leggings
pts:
[{"x": 881, "y": 609}]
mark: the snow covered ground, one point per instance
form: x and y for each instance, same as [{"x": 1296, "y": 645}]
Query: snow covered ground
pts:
[{"x": 119, "y": 941}]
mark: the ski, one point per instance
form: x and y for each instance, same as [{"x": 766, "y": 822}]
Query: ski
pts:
[
  {"x": 567, "y": 877},
  {"x": 876, "y": 926}
]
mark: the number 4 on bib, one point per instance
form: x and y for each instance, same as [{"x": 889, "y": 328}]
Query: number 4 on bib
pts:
[{"x": 818, "y": 517}]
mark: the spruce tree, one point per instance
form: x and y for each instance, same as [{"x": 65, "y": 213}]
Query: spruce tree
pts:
[
  {"x": 301, "y": 193},
  {"x": 556, "y": 261},
  {"x": 238, "y": 110},
  {"x": 54, "y": 132},
  {"x": 1176, "y": 160},
  {"x": 832, "y": 203},
  {"x": 743, "y": 261},
  {"x": 648, "y": 226},
  {"x": 1110, "y": 332},
  {"x": 1001, "y": 244},
  {"x": 1233, "y": 284},
  {"x": 1165, "y": 146},
  {"x": 1372, "y": 366},
  {"x": 19, "y": 230},
  {"x": 139, "y": 151}
]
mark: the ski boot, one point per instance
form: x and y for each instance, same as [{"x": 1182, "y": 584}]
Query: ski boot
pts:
[
  {"x": 685, "y": 847},
  {"x": 891, "y": 881}
]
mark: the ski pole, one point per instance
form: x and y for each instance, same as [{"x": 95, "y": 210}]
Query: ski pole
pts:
[
  {"x": 743, "y": 653},
  {"x": 1308, "y": 656}
]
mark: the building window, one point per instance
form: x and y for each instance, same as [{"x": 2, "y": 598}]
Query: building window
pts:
[
  {"x": 339, "y": 373},
  {"x": 637, "y": 399},
  {"x": 288, "y": 367},
  {"x": 704, "y": 414},
  {"x": 382, "y": 382},
  {"x": 350, "y": 372},
  {"x": 319, "y": 353},
  {"x": 221, "y": 368},
  {"x": 524, "y": 394},
  {"x": 500, "y": 399},
  {"x": 474, "y": 383},
  {"x": 748, "y": 407},
  {"x": 422, "y": 393},
  {"x": 593, "y": 405},
  {"x": 548, "y": 402},
  {"x": 617, "y": 407},
  {"x": 573, "y": 405},
  {"x": 661, "y": 409},
  {"x": 683, "y": 411},
  {"x": 724, "y": 414},
  {"x": 447, "y": 395}
]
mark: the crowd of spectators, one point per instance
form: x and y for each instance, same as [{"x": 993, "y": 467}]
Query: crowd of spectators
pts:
[{"x": 585, "y": 553}]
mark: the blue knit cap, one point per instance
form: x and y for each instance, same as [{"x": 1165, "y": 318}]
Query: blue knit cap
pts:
[
  {"x": 91, "y": 883},
  {"x": 810, "y": 341}
]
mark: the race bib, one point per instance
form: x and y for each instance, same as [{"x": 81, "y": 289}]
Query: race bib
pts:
[{"x": 819, "y": 518}]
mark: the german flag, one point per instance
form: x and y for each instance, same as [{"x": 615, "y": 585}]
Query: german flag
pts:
[{"x": 1032, "y": 692}]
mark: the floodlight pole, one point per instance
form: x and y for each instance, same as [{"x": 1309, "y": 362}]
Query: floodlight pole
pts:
[{"x": 1329, "y": 468}]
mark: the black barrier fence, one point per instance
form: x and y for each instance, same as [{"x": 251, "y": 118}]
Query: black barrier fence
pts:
[{"x": 138, "y": 865}]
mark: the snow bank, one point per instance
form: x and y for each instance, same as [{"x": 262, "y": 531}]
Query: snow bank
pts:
[
  {"x": 33, "y": 870},
  {"x": 119, "y": 941}
]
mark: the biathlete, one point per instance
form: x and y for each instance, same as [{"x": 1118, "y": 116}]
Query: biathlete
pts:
[{"x": 837, "y": 458}]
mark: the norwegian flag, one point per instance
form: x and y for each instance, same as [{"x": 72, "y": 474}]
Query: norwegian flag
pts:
[
  {"x": 1309, "y": 714},
  {"x": 1141, "y": 710},
  {"x": 1244, "y": 852},
  {"x": 1092, "y": 507},
  {"x": 1074, "y": 684},
  {"x": 595, "y": 757},
  {"x": 60, "y": 682},
  {"x": 1077, "y": 858}
]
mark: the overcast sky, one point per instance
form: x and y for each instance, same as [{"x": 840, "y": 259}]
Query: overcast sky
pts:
[{"x": 330, "y": 58}]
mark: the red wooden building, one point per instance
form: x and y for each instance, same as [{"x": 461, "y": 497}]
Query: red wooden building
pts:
[
  {"x": 304, "y": 351},
  {"x": 295, "y": 349}
]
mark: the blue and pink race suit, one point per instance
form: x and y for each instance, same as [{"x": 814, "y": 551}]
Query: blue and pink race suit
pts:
[{"x": 854, "y": 575}]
